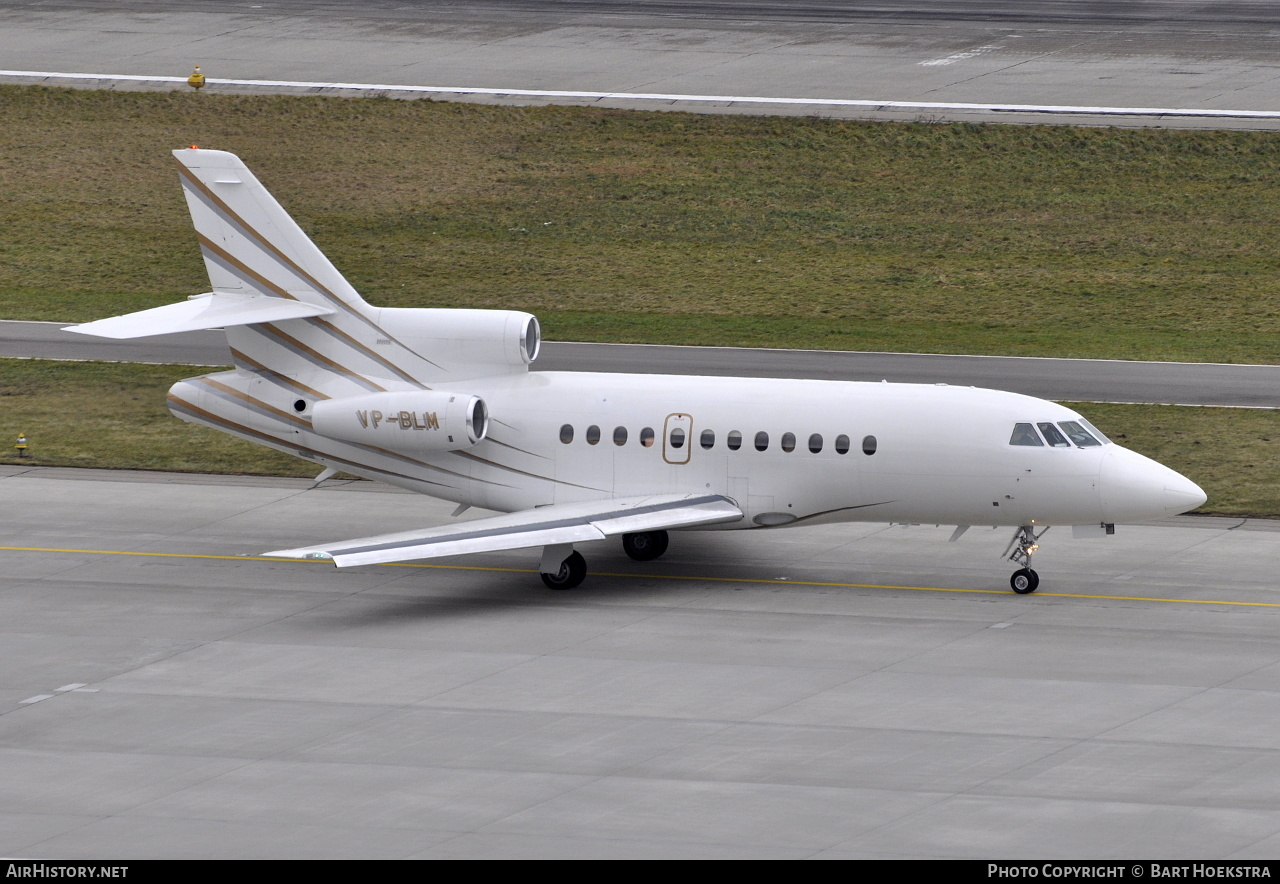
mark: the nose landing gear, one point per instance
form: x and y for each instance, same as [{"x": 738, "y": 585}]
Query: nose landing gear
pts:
[{"x": 1020, "y": 550}]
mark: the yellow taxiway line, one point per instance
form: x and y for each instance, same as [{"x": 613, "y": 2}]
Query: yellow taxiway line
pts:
[{"x": 775, "y": 581}]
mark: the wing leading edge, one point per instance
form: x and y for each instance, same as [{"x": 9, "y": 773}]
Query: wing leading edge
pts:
[{"x": 544, "y": 526}]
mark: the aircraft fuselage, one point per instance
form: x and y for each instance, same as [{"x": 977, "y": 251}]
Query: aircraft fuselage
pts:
[{"x": 786, "y": 451}]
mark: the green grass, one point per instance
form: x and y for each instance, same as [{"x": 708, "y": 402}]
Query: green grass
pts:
[
  {"x": 663, "y": 228},
  {"x": 676, "y": 228},
  {"x": 112, "y": 415}
]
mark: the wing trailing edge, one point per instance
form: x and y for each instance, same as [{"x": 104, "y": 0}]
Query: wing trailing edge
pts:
[{"x": 558, "y": 524}]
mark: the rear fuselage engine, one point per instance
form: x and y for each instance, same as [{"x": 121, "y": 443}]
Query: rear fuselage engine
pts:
[{"x": 412, "y": 421}]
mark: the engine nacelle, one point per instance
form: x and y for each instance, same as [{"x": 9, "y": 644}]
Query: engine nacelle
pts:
[
  {"x": 466, "y": 343},
  {"x": 415, "y": 420}
]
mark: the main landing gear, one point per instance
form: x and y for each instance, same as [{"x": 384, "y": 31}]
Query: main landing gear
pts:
[
  {"x": 573, "y": 570},
  {"x": 644, "y": 546},
  {"x": 1023, "y": 545}
]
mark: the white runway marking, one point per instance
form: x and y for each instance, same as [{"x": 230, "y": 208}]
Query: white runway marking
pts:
[
  {"x": 960, "y": 56},
  {"x": 872, "y": 104}
]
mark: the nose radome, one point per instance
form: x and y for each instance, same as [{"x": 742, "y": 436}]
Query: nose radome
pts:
[
  {"x": 1181, "y": 494},
  {"x": 1136, "y": 488}
]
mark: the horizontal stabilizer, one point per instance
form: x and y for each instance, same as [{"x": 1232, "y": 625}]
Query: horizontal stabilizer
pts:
[
  {"x": 561, "y": 523},
  {"x": 211, "y": 310}
]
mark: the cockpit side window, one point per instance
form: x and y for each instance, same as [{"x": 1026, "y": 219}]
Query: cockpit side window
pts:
[
  {"x": 1052, "y": 436},
  {"x": 1078, "y": 434},
  {"x": 1095, "y": 432},
  {"x": 1025, "y": 434}
]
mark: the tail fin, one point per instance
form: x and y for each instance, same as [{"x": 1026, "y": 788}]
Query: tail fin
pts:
[
  {"x": 289, "y": 313},
  {"x": 286, "y": 309},
  {"x": 250, "y": 244}
]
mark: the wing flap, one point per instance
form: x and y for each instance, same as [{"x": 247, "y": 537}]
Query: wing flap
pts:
[
  {"x": 544, "y": 526},
  {"x": 211, "y": 310}
]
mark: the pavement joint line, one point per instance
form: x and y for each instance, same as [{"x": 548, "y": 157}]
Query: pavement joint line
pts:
[
  {"x": 875, "y": 104},
  {"x": 773, "y": 581}
]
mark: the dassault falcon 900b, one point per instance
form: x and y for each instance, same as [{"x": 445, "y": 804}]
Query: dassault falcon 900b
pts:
[{"x": 442, "y": 401}]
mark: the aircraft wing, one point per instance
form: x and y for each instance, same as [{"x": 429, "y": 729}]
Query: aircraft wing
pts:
[{"x": 544, "y": 526}]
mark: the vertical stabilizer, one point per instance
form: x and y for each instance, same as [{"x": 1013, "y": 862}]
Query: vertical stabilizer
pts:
[
  {"x": 250, "y": 244},
  {"x": 291, "y": 317},
  {"x": 252, "y": 248}
]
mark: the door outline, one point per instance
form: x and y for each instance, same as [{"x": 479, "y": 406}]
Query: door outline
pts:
[{"x": 682, "y": 421}]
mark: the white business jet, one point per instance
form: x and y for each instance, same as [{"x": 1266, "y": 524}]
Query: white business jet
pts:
[{"x": 442, "y": 402}]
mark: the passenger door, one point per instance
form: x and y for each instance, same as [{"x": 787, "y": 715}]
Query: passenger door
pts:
[{"x": 677, "y": 439}]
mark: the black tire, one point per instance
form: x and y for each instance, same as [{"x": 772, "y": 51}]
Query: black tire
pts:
[
  {"x": 1024, "y": 581},
  {"x": 573, "y": 571},
  {"x": 645, "y": 546}
]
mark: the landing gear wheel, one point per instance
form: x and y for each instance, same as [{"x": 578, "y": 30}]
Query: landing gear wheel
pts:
[
  {"x": 645, "y": 546},
  {"x": 1023, "y": 545},
  {"x": 1023, "y": 581},
  {"x": 573, "y": 571}
]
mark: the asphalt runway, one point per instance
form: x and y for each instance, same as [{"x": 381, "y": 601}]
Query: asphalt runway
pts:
[
  {"x": 837, "y": 692},
  {"x": 935, "y": 54},
  {"x": 1074, "y": 380}
]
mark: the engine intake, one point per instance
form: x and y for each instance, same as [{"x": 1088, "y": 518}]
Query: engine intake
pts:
[{"x": 418, "y": 420}]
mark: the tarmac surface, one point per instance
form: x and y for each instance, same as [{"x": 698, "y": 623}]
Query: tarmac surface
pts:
[
  {"x": 1075, "y": 380},
  {"x": 935, "y": 55},
  {"x": 842, "y": 692}
]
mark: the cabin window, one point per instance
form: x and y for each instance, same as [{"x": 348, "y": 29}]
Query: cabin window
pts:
[
  {"x": 1078, "y": 434},
  {"x": 762, "y": 441},
  {"x": 619, "y": 435},
  {"x": 677, "y": 438},
  {"x": 708, "y": 439},
  {"x": 868, "y": 445},
  {"x": 1052, "y": 436},
  {"x": 1025, "y": 434},
  {"x": 815, "y": 443},
  {"x": 646, "y": 437},
  {"x": 566, "y": 433},
  {"x": 735, "y": 440},
  {"x": 593, "y": 434},
  {"x": 842, "y": 444},
  {"x": 788, "y": 442}
]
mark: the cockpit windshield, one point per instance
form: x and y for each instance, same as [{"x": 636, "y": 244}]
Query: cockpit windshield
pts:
[
  {"x": 1078, "y": 434},
  {"x": 1052, "y": 436},
  {"x": 1025, "y": 434}
]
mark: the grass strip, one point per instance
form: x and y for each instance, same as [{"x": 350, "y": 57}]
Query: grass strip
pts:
[
  {"x": 668, "y": 227},
  {"x": 113, "y": 415}
]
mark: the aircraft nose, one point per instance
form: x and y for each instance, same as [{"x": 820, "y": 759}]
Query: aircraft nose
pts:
[
  {"x": 1136, "y": 488},
  {"x": 1181, "y": 494}
]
